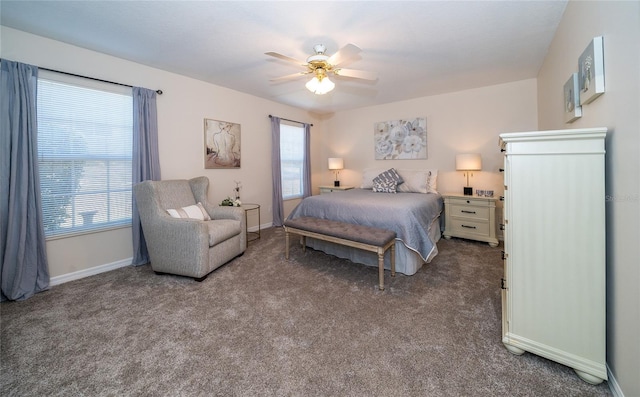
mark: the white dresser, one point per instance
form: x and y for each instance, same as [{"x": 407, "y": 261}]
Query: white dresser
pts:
[{"x": 553, "y": 292}]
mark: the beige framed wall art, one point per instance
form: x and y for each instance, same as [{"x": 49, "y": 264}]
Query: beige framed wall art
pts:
[{"x": 222, "y": 144}]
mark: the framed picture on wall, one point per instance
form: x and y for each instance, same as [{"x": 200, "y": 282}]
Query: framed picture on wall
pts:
[
  {"x": 591, "y": 71},
  {"x": 572, "y": 108},
  {"x": 401, "y": 139},
  {"x": 222, "y": 144}
]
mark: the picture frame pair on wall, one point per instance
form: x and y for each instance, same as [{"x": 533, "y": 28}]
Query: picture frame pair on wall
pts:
[{"x": 587, "y": 84}]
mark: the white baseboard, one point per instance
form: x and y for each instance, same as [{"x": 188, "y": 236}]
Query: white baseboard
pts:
[
  {"x": 65, "y": 278},
  {"x": 262, "y": 226},
  {"x": 613, "y": 384}
]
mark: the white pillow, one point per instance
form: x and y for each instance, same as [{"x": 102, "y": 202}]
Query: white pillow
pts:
[
  {"x": 418, "y": 181},
  {"x": 415, "y": 181},
  {"x": 368, "y": 175},
  {"x": 193, "y": 212}
]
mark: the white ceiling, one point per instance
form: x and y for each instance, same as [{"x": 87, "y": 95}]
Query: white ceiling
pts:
[{"x": 417, "y": 48}]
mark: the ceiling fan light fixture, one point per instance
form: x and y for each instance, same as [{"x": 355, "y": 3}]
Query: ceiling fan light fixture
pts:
[
  {"x": 320, "y": 87},
  {"x": 320, "y": 83}
]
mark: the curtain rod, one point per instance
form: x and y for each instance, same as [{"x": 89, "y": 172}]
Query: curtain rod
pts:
[
  {"x": 159, "y": 92},
  {"x": 293, "y": 121}
]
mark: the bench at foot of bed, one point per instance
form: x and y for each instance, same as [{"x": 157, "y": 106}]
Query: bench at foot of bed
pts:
[{"x": 358, "y": 236}]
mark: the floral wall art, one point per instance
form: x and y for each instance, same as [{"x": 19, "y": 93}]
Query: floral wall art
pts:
[{"x": 401, "y": 139}]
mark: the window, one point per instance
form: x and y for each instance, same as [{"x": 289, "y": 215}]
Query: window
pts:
[
  {"x": 85, "y": 134},
  {"x": 291, "y": 160}
]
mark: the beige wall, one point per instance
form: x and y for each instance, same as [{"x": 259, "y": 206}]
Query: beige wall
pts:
[
  {"x": 181, "y": 112},
  {"x": 464, "y": 121},
  {"x": 460, "y": 122},
  {"x": 619, "y": 110}
]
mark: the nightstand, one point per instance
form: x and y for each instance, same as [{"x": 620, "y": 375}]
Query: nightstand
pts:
[
  {"x": 471, "y": 217},
  {"x": 331, "y": 189}
]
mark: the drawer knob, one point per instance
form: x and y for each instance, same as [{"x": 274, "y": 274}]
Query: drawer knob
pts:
[
  {"x": 467, "y": 212},
  {"x": 501, "y": 169},
  {"x": 469, "y": 227},
  {"x": 501, "y": 198}
]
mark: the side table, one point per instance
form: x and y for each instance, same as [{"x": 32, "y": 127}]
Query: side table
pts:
[
  {"x": 251, "y": 207},
  {"x": 331, "y": 189},
  {"x": 471, "y": 217}
]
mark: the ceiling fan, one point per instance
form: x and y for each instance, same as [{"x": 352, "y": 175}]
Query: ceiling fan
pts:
[{"x": 321, "y": 65}]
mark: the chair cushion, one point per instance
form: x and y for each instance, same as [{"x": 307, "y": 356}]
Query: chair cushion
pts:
[{"x": 222, "y": 229}]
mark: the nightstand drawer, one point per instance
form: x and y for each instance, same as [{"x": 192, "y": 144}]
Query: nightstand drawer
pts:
[
  {"x": 465, "y": 227},
  {"x": 480, "y": 202},
  {"x": 468, "y": 211}
]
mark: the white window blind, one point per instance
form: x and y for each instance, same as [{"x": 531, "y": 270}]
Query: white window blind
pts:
[
  {"x": 291, "y": 160},
  {"x": 85, "y": 134}
]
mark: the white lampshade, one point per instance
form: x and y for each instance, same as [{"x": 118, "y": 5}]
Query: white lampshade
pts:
[
  {"x": 468, "y": 162},
  {"x": 320, "y": 87},
  {"x": 336, "y": 163}
]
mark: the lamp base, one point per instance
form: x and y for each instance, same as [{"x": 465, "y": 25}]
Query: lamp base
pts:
[
  {"x": 468, "y": 191},
  {"x": 336, "y": 183}
]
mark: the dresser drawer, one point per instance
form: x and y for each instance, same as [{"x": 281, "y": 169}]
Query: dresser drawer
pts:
[
  {"x": 468, "y": 226},
  {"x": 480, "y": 202},
  {"x": 468, "y": 211}
]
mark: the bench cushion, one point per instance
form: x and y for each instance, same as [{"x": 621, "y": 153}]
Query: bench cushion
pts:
[{"x": 347, "y": 231}]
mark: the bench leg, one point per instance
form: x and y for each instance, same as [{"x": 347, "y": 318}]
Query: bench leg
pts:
[
  {"x": 381, "y": 268},
  {"x": 286, "y": 239},
  {"x": 393, "y": 260}
]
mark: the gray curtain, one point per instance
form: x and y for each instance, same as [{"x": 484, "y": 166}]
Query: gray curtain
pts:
[
  {"x": 278, "y": 206},
  {"x": 24, "y": 270},
  {"x": 146, "y": 162},
  {"x": 306, "y": 176}
]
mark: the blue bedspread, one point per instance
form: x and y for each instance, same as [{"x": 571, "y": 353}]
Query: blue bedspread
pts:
[{"x": 410, "y": 215}]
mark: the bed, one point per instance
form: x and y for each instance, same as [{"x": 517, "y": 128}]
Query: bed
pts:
[{"x": 413, "y": 213}]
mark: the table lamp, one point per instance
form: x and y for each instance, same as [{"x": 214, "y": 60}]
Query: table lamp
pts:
[
  {"x": 468, "y": 162},
  {"x": 336, "y": 164}
]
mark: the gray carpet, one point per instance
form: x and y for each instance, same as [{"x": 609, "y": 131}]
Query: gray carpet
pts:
[{"x": 262, "y": 326}]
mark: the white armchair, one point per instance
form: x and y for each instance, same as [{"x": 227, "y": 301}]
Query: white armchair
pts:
[{"x": 184, "y": 246}]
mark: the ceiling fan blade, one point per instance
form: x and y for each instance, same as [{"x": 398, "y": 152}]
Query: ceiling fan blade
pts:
[
  {"x": 289, "y": 76},
  {"x": 346, "y": 52},
  {"x": 286, "y": 58},
  {"x": 357, "y": 74}
]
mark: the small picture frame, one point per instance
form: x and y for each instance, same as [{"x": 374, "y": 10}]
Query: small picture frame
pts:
[
  {"x": 591, "y": 71},
  {"x": 572, "y": 108}
]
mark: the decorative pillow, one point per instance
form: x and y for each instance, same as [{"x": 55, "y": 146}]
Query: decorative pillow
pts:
[
  {"x": 390, "y": 175},
  {"x": 193, "y": 212},
  {"x": 415, "y": 181},
  {"x": 385, "y": 186}
]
